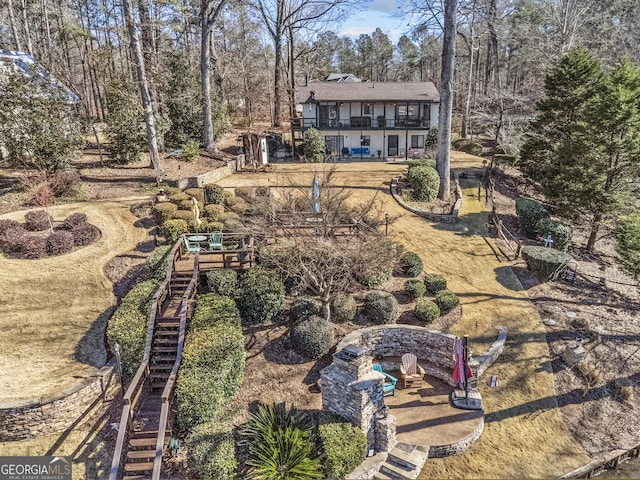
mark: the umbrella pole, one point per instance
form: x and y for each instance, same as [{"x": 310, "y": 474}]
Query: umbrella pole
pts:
[{"x": 465, "y": 353}]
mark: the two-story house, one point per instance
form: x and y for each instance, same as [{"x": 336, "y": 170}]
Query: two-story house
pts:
[{"x": 368, "y": 119}]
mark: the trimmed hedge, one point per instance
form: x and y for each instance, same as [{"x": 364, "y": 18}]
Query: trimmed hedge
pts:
[
  {"x": 59, "y": 242},
  {"x": 37, "y": 220},
  {"x": 343, "y": 308},
  {"x": 213, "y": 309},
  {"x": 544, "y": 262},
  {"x": 84, "y": 234},
  {"x": 207, "y": 226},
  {"x": 213, "y": 211},
  {"x": 410, "y": 264},
  {"x": 164, "y": 211},
  {"x": 223, "y": 282},
  {"x": 74, "y": 220},
  {"x": 415, "y": 288},
  {"x": 424, "y": 182},
  {"x": 213, "y": 194},
  {"x": 529, "y": 213},
  {"x": 156, "y": 263},
  {"x": 245, "y": 193},
  {"x": 8, "y": 224},
  {"x": 380, "y": 307},
  {"x": 198, "y": 193},
  {"x": 302, "y": 308},
  {"x": 260, "y": 295},
  {"x": 446, "y": 300},
  {"x": 434, "y": 283},
  {"x": 421, "y": 162},
  {"x": 179, "y": 197},
  {"x": 312, "y": 337},
  {"x": 32, "y": 247},
  {"x": 211, "y": 450},
  {"x": 172, "y": 229},
  {"x": 11, "y": 239},
  {"x": 560, "y": 234},
  {"x": 128, "y": 325},
  {"x": 468, "y": 146},
  {"x": 343, "y": 445},
  {"x": 426, "y": 311}
]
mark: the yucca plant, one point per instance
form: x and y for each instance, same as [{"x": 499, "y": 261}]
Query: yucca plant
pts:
[{"x": 279, "y": 443}]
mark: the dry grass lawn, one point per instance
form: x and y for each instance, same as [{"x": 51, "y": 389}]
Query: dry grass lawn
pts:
[
  {"x": 524, "y": 435},
  {"x": 53, "y": 310}
]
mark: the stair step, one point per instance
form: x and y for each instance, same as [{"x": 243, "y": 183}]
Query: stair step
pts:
[
  {"x": 408, "y": 461},
  {"x": 163, "y": 359},
  {"x": 164, "y": 376},
  {"x": 164, "y": 349},
  {"x": 167, "y": 324},
  {"x": 138, "y": 467},
  {"x": 167, "y": 334},
  {"x": 165, "y": 341},
  {"x": 149, "y": 442},
  {"x": 141, "y": 454},
  {"x": 158, "y": 385},
  {"x": 136, "y": 477},
  {"x": 393, "y": 471}
]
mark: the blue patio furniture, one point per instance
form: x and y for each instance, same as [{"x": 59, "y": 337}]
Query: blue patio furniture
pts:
[
  {"x": 389, "y": 388},
  {"x": 215, "y": 241},
  {"x": 191, "y": 247}
]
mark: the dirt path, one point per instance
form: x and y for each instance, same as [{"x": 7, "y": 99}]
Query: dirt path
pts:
[
  {"x": 524, "y": 435},
  {"x": 53, "y": 310}
]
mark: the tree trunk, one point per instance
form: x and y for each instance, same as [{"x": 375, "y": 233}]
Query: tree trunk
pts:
[
  {"x": 14, "y": 28},
  {"x": 136, "y": 54},
  {"x": 277, "y": 80},
  {"x": 205, "y": 69},
  {"x": 443, "y": 159},
  {"x": 325, "y": 309},
  {"x": 595, "y": 228},
  {"x": 467, "y": 103},
  {"x": 25, "y": 23}
]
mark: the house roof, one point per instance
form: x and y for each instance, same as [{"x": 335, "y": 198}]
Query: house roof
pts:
[
  {"x": 342, "y": 77},
  {"x": 368, "y": 91}
]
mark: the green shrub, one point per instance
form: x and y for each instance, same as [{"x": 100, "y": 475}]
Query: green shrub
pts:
[
  {"x": 213, "y": 194},
  {"x": 343, "y": 445},
  {"x": 421, "y": 162},
  {"x": 415, "y": 288},
  {"x": 468, "y": 146},
  {"x": 411, "y": 264},
  {"x": 426, "y": 311},
  {"x": 185, "y": 215},
  {"x": 343, "y": 308},
  {"x": 529, "y": 213},
  {"x": 125, "y": 131},
  {"x": 302, "y": 308},
  {"x": 313, "y": 146},
  {"x": 226, "y": 216},
  {"x": 179, "y": 197},
  {"x": 156, "y": 263},
  {"x": 380, "y": 307},
  {"x": 211, "y": 373},
  {"x": 544, "y": 262},
  {"x": 211, "y": 450},
  {"x": 280, "y": 444},
  {"x": 223, "y": 282},
  {"x": 434, "y": 283},
  {"x": 424, "y": 182},
  {"x": 128, "y": 326},
  {"x": 37, "y": 220},
  {"x": 164, "y": 211},
  {"x": 198, "y": 193},
  {"x": 560, "y": 234},
  {"x": 209, "y": 226},
  {"x": 190, "y": 151},
  {"x": 312, "y": 337},
  {"x": 247, "y": 194},
  {"x": 172, "y": 229},
  {"x": 260, "y": 295},
  {"x": 446, "y": 300},
  {"x": 213, "y": 309},
  {"x": 373, "y": 278},
  {"x": 500, "y": 159},
  {"x": 213, "y": 211}
]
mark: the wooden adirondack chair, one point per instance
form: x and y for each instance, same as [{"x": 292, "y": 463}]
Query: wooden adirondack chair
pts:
[
  {"x": 390, "y": 381},
  {"x": 215, "y": 241},
  {"x": 410, "y": 372},
  {"x": 191, "y": 247}
]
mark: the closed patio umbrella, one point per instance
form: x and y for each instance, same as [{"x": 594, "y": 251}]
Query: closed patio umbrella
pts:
[
  {"x": 196, "y": 213},
  {"x": 461, "y": 371},
  {"x": 315, "y": 196}
]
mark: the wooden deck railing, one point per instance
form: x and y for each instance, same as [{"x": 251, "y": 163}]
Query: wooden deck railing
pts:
[{"x": 134, "y": 391}]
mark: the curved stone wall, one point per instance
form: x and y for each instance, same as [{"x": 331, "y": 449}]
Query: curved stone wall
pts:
[
  {"x": 36, "y": 417},
  {"x": 440, "y": 451}
]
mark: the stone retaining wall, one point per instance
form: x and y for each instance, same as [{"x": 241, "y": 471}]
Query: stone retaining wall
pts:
[
  {"x": 434, "y": 217},
  {"x": 459, "y": 447},
  {"x": 487, "y": 358},
  {"x": 209, "y": 177},
  {"x": 25, "y": 419}
]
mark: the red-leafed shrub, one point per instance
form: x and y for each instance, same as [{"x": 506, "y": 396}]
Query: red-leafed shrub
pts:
[
  {"x": 7, "y": 224},
  {"x": 84, "y": 233},
  {"x": 59, "y": 242},
  {"x": 74, "y": 220},
  {"x": 10, "y": 240},
  {"x": 33, "y": 246},
  {"x": 37, "y": 220},
  {"x": 65, "y": 183}
]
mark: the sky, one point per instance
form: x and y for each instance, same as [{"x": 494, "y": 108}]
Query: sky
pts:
[{"x": 378, "y": 13}]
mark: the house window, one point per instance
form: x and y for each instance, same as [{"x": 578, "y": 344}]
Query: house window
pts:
[
  {"x": 366, "y": 109},
  {"x": 413, "y": 110},
  {"x": 365, "y": 140},
  {"x": 417, "y": 141},
  {"x": 333, "y": 144}
]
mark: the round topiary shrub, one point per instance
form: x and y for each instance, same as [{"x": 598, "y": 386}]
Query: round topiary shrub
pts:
[
  {"x": 186, "y": 215},
  {"x": 260, "y": 295},
  {"x": 207, "y": 226},
  {"x": 32, "y": 246},
  {"x": 240, "y": 207},
  {"x": 226, "y": 216},
  {"x": 529, "y": 213},
  {"x": 434, "y": 283},
  {"x": 468, "y": 146},
  {"x": 424, "y": 182},
  {"x": 421, "y": 162},
  {"x": 373, "y": 279},
  {"x": 211, "y": 450},
  {"x": 232, "y": 226},
  {"x": 543, "y": 262},
  {"x": 163, "y": 211},
  {"x": 223, "y": 282},
  {"x": 343, "y": 308},
  {"x": 84, "y": 234},
  {"x": 230, "y": 200},
  {"x": 426, "y": 311},
  {"x": 344, "y": 446},
  {"x": 302, "y": 308},
  {"x": 37, "y": 220},
  {"x": 11, "y": 238},
  {"x": 245, "y": 193},
  {"x": 59, "y": 242},
  {"x": 172, "y": 229},
  {"x": 74, "y": 220},
  {"x": 213, "y": 211},
  {"x": 198, "y": 193},
  {"x": 560, "y": 234},
  {"x": 446, "y": 300},
  {"x": 179, "y": 197},
  {"x": 213, "y": 194},
  {"x": 410, "y": 264},
  {"x": 7, "y": 224},
  {"x": 156, "y": 263},
  {"x": 312, "y": 337},
  {"x": 415, "y": 288},
  {"x": 380, "y": 307}
]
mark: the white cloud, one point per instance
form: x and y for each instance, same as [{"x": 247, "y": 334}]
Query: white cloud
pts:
[{"x": 386, "y": 6}]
